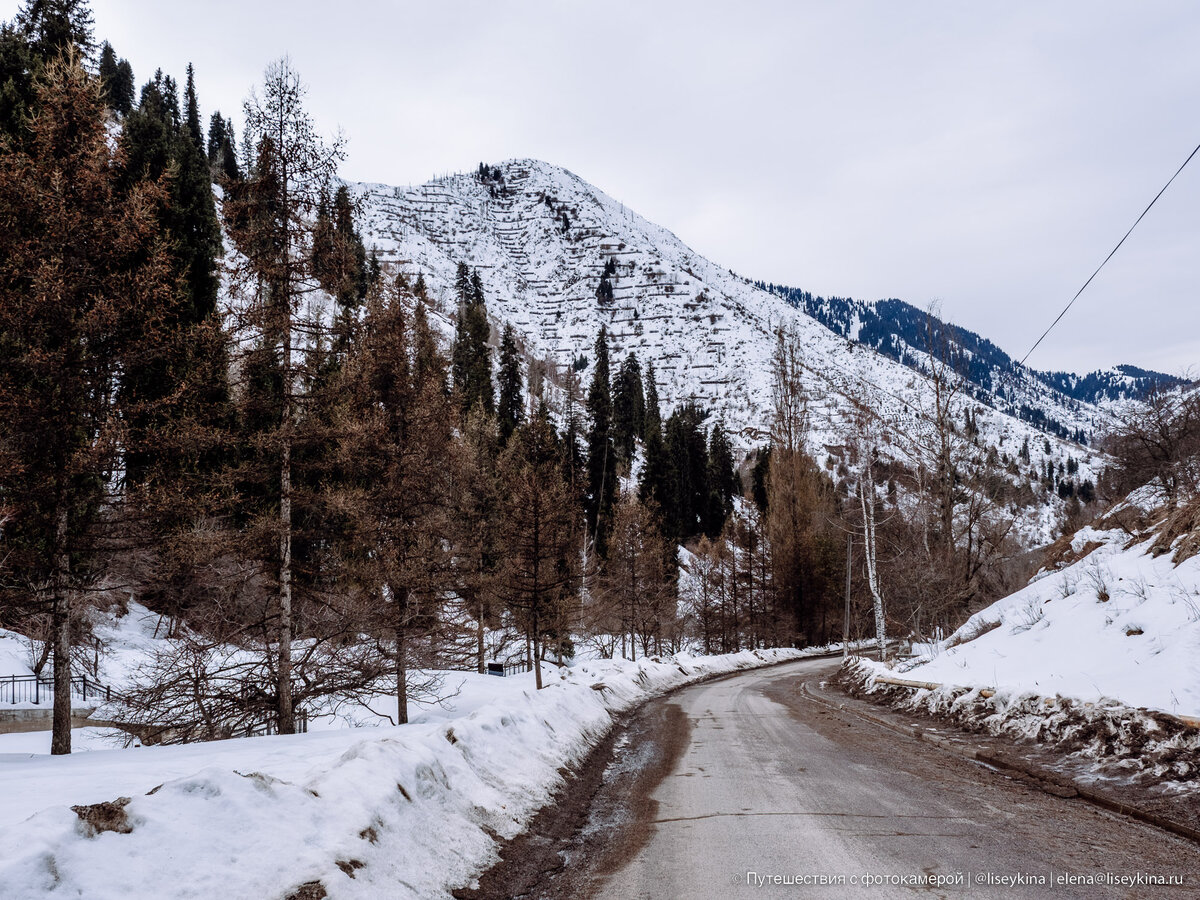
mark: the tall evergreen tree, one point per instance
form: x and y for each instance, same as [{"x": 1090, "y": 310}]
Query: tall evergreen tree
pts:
[
  {"x": 629, "y": 406},
  {"x": 601, "y": 451},
  {"x": 722, "y": 482},
  {"x": 216, "y": 137},
  {"x": 54, "y": 26},
  {"x": 687, "y": 461},
  {"x": 229, "y": 165},
  {"x": 191, "y": 112},
  {"x": 510, "y": 409},
  {"x": 116, "y": 80},
  {"x": 153, "y": 147},
  {"x": 472, "y": 358},
  {"x": 652, "y": 421},
  {"x": 41, "y": 32},
  {"x": 654, "y": 486}
]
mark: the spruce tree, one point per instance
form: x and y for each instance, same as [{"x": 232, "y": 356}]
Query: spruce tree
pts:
[
  {"x": 601, "y": 451},
  {"x": 687, "y": 461},
  {"x": 472, "y": 362},
  {"x": 510, "y": 409},
  {"x": 229, "y": 163},
  {"x": 154, "y": 148},
  {"x": 652, "y": 421},
  {"x": 722, "y": 482},
  {"x": 654, "y": 486},
  {"x": 55, "y": 26},
  {"x": 216, "y": 138},
  {"x": 629, "y": 406},
  {"x": 41, "y": 32},
  {"x": 192, "y": 112}
]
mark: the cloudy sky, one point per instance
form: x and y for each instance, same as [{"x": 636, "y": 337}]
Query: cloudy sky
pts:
[{"x": 985, "y": 156}]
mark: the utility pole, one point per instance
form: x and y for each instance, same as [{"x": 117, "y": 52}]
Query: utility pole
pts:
[{"x": 846, "y": 615}]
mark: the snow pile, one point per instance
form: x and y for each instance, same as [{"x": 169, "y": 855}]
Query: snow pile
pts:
[
  {"x": 1118, "y": 622},
  {"x": 1144, "y": 745},
  {"x": 412, "y": 811}
]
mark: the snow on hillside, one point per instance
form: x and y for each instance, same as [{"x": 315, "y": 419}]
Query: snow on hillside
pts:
[
  {"x": 1120, "y": 623},
  {"x": 541, "y": 237},
  {"x": 409, "y": 811}
]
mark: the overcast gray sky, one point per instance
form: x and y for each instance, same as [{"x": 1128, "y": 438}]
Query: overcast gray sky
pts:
[{"x": 987, "y": 156}]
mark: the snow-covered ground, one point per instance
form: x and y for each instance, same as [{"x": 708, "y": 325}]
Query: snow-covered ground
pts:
[
  {"x": 409, "y": 811},
  {"x": 1119, "y": 623}
]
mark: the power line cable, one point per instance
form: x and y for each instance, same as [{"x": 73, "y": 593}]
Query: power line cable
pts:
[{"x": 1110, "y": 256}]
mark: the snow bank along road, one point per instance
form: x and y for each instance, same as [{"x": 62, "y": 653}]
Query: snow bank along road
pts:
[{"x": 747, "y": 787}]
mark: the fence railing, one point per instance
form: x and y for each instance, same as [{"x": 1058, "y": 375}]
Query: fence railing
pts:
[
  {"x": 499, "y": 668},
  {"x": 269, "y": 726},
  {"x": 38, "y": 689}
]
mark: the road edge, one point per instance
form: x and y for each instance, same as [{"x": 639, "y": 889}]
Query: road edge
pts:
[{"x": 1047, "y": 780}]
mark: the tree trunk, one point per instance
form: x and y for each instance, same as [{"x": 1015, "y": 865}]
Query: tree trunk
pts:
[
  {"x": 287, "y": 717},
  {"x": 479, "y": 642},
  {"x": 537, "y": 651},
  {"x": 401, "y": 674},
  {"x": 60, "y": 740},
  {"x": 866, "y": 493}
]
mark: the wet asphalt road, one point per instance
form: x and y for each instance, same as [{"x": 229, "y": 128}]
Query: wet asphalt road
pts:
[
  {"x": 719, "y": 788},
  {"x": 771, "y": 783}
]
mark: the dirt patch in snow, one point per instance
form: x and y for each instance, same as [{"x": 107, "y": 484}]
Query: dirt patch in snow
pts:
[{"x": 107, "y": 816}]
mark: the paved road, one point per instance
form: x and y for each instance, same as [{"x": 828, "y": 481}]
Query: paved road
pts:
[{"x": 759, "y": 778}]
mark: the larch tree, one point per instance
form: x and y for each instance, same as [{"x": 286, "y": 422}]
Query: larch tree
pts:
[
  {"x": 637, "y": 581},
  {"x": 539, "y": 557},
  {"x": 396, "y": 444},
  {"x": 84, "y": 279},
  {"x": 269, "y": 217},
  {"x": 800, "y": 502}
]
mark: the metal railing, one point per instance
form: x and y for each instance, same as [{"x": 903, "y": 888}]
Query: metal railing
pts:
[
  {"x": 270, "y": 726},
  {"x": 502, "y": 669},
  {"x": 38, "y": 689}
]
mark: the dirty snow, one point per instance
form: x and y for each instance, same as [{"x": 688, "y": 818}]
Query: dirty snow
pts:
[{"x": 420, "y": 806}]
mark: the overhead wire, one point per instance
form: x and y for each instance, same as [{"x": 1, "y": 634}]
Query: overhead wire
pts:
[{"x": 1058, "y": 318}]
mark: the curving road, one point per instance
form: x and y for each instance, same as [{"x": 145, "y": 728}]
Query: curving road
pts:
[{"x": 750, "y": 775}]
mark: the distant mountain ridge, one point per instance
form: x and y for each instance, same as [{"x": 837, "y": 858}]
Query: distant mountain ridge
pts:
[{"x": 896, "y": 329}]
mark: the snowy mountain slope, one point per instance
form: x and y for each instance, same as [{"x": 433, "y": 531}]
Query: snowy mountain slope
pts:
[
  {"x": 901, "y": 331},
  {"x": 1118, "y": 619},
  {"x": 541, "y": 238}
]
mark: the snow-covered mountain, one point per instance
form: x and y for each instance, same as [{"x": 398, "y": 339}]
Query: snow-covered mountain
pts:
[
  {"x": 548, "y": 246},
  {"x": 902, "y": 331}
]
